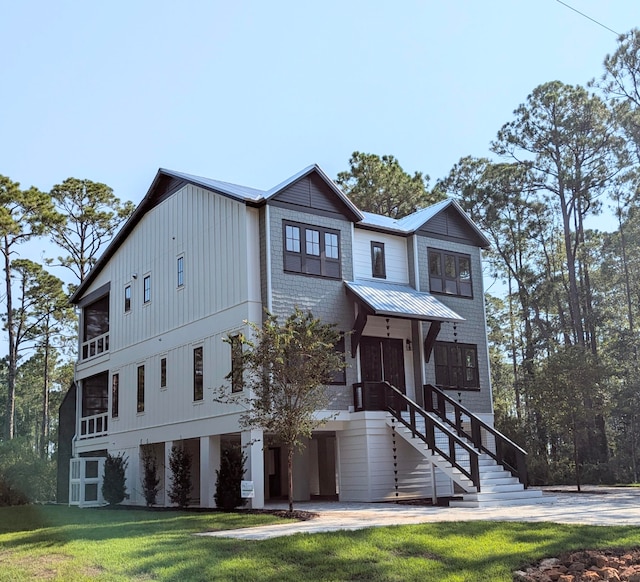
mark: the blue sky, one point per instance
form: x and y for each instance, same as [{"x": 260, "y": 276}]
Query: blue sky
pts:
[{"x": 252, "y": 91}]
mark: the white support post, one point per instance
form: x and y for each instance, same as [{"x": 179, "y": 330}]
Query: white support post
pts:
[
  {"x": 209, "y": 464},
  {"x": 252, "y": 445},
  {"x": 167, "y": 473}
]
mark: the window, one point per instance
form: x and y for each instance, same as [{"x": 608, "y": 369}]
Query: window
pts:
[
  {"x": 456, "y": 366},
  {"x": 180, "y": 271},
  {"x": 163, "y": 372},
  {"x": 127, "y": 298},
  {"x": 450, "y": 273},
  {"x": 237, "y": 383},
  {"x": 377, "y": 260},
  {"x": 198, "y": 385},
  {"x": 140, "y": 389},
  {"x": 311, "y": 250},
  {"x": 339, "y": 377},
  {"x": 146, "y": 289},
  {"x": 115, "y": 395},
  {"x": 96, "y": 318}
]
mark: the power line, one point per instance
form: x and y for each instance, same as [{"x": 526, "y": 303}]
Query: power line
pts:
[{"x": 589, "y": 17}]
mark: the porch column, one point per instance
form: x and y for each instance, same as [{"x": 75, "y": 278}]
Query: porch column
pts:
[
  {"x": 252, "y": 445},
  {"x": 209, "y": 464},
  {"x": 167, "y": 472}
]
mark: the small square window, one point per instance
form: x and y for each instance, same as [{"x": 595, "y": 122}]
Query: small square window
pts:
[
  {"x": 180, "y": 271},
  {"x": 292, "y": 238},
  {"x": 147, "y": 289},
  {"x": 313, "y": 242},
  {"x": 127, "y": 298}
]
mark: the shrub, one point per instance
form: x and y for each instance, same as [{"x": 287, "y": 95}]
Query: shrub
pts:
[
  {"x": 228, "y": 479},
  {"x": 150, "y": 480},
  {"x": 113, "y": 482},
  {"x": 24, "y": 476},
  {"x": 180, "y": 465}
]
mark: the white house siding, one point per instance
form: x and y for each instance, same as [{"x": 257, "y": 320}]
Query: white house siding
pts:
[
  {"x": 366, "y": 463},
  {"x": 472, "y": 331},
  {"x": 395, "y": 252}
]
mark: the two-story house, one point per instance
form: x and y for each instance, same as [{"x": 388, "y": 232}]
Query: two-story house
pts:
[{"x": 411, "y": 414}]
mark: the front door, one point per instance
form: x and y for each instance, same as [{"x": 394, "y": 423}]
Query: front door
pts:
[{"x": 382, "y": 359}]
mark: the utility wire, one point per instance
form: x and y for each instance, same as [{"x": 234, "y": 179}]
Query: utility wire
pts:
[{"x": 589, "y": 17}]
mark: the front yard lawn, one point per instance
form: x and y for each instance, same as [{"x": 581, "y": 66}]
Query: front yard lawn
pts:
[{"x": 62, "y": 543}]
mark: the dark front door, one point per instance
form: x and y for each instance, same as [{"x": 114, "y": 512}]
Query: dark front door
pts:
[{"x": 382, "y": 359}]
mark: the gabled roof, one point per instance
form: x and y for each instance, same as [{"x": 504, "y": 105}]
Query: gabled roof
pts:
[
  {"x": 166, "y": 182},
  {"x": 415, "y": 221}
]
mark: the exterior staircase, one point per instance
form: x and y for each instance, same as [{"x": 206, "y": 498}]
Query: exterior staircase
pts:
[{"x": 487, "y": 467}]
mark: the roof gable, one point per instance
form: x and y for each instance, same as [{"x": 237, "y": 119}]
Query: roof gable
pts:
[{"x": 311, "y": 190}]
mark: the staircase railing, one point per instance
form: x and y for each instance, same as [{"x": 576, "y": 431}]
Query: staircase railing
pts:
[
  {"x": 479, "y": 433},
  {"x": 384, "y": 396}
]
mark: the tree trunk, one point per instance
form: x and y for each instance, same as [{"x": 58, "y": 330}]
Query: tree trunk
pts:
[
  {"x": 12, "y": 359},
  {"x": 44, "y": 429},
  {"x": 290, "y": 475}
]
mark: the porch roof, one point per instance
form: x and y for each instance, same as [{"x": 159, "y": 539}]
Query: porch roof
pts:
[{"x": 403, "y": 301}]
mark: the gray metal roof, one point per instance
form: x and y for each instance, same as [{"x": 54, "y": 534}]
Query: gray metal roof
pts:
[
  {"x": 234, "y": 190},
  {"x": 397, "y": 300}
]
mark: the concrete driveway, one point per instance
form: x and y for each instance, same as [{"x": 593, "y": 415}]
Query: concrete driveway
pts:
[{"x": 594, "y": 506}]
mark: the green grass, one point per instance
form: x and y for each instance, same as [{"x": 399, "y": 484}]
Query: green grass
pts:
[{"x": 60, "y": 543}]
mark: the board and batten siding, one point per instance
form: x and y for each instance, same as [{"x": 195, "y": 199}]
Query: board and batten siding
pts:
[
  {"x": 395, "y": 252},
  {"x": 218, "y": 238}
]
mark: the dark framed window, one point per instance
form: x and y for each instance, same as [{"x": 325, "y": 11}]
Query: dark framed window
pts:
[
  {"x": 115, "y": 395},
  {"x": 163, "y": 372},
  {"x": 340, "y": 377},
  {"x": 140, "y": 406},
  {"x": 378, "y": 267},
  {"x": 311, "y": 250},
  {"x": 237, "y": 383},
  {"x": 456, "y": 366},
  {"x": 127, "y": 298},
  {"x": 198, "y": 383},
  {"x": 180, "y": 273},
  {"x": 146, "y": 289},
  {"x": 450, "y": 273}
]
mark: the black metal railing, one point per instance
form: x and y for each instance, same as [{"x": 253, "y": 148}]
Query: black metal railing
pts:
[
  {"x": 479, "y": 433},
  {"x": 438, "y": 436}
]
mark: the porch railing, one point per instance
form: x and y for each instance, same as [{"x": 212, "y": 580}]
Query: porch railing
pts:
[
  {"x": 479, "y": 433},
  {"x": 438, "y": 436},
  {"x": 95, "y": 346},
  {"x": 94, "y": 426}
]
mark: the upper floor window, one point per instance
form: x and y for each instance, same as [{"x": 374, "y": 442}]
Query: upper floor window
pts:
[
  {"x": 96, "y": 318},
  {"x": 198, "y": 384},
  {"x": 378, "y": 267},
  {"x": 450, "y": 273},
  {"x": 127, "y": 298},
  {"x": 237, "y": 383},
  {"x": 456, "y": 365},
  {"x": 140, "y": 399},
  {"x": 163, "y": 372},
  {"x": 311, "y": 250},
  {"x": 115, "y": 395},
  {"x": 146, "y": 289},
  {"x": 180, "y": 272}
]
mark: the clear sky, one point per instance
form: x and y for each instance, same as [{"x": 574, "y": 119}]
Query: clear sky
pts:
[{"x": 252, "y": 91}]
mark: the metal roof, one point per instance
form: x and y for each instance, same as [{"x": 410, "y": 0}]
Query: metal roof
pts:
[
  {"x": 234, "y": 190},
  {"x": 395, "y": 300}
]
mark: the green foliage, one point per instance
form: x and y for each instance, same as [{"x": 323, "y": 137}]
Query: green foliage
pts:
[
  {"x": 114, "y": 488},
  {"x": 150, "y": 480},
  {"x": 24, "y": 476},
  {"x": 180, "y": 465},
  {"x": 228, "y": 478},
  {"x": 380, "y": 185}
]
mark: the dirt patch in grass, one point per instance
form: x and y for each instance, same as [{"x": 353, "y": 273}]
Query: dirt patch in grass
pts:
[
  {"x": 43, "y": 567},
  {"x": 621, "y": 564}
]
